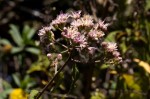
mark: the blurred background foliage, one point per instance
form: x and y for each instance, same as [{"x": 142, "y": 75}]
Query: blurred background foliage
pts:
[{"x": 24, "y": 67}]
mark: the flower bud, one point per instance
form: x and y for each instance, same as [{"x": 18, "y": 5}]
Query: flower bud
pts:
[
  {"x": 59, "y": 56},
  {"x": 49, "y": 55}
]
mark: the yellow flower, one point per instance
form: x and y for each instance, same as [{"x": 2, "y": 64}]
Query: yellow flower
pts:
[{"x": 18, "y": 93}]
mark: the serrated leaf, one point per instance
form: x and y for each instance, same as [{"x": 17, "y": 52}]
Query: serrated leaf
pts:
[{"x": 15, "y": 34}]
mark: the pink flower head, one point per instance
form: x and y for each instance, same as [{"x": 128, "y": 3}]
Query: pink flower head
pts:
[
  {"x": 111, "y": 47},
  {"x": 62, "y": 18},
  {"x": 94, "y": 34},
  {"x": 76, "y": 15},
  {"x": 102, "y": 25},
  {"x": 87, "y": 20},
  {"x": 79, "y": 39},
  {"x": 77, "y": 23},
  {"x": 70, "y": 32},
  {"x": 44, "y": 30}
]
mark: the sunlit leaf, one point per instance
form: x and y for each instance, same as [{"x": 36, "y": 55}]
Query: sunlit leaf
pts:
[
  {"x": 129, "y": 79},
  {"x": 33, "y": 93},
  {"x": 113, "y": 72},
  {"x": 36, "y": 68},
  {"x": 147, "y": 5},
  {"x": 143, "y": 64}
]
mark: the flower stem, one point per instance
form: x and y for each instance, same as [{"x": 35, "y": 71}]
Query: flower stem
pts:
[{"x": 51, "y": 81}]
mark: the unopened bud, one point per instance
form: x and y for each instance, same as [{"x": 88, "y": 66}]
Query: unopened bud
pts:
[
  {"x": 59, "y": 56},
  {"x": 49, "y": 55}
]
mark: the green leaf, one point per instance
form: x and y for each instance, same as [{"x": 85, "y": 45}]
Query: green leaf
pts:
[
  {"x": 16, "y": 79},
  {"x": 6, "y": 85},
  {"x": 33, "y": 50},
  {"x": 147, "y": 5},
  {"x": 25, "y": 81},
  {"x": 15, "y": 34},
  {"x": 31, "y": 33},
  {"x": 75, "y": 76},
  {"x": 16, "y": 50},
  {"x": 129, "y": 79},
  {"x": 111, "y": 36},
  {"x": 33, "y": 93},
  {"x": 5, "y": 93},
  {"x": 36, "y": 68},
  {"x": 28, "y": 32},
  {"x": 5, "y": 42}
]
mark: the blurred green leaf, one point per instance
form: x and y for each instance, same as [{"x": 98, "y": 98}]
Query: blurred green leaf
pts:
[
  {"x": 129, "y": 79},
  {"x": 28, "y": 32},
  {"x": 16, "y": 79},
  {"x": 5, "y": 42},
  {"x": 143, "y": 64},
  {"x": 5, "y": 93},
  {"x": 33, "y": 50},
  {"x": 16, "y": 50},
  {"x": 33, "y": 93},
  {"x": 36, "y": 68},
  {"x": 147, "y": 5},
  {"x": 97, "y": 95},
  {"x": 15, "y": 34},
  {"x": 27, "y": 82},
  {"x": 75, "y": 76},
  {"x": 6, "y": 85},
  {"x": 111, "y": 36}
]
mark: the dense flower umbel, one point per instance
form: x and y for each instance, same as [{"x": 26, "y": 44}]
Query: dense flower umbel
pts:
[{"x": 81, "y": 33}]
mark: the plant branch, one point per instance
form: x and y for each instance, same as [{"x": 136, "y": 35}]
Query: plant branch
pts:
[{"x": 51, "y": 81}]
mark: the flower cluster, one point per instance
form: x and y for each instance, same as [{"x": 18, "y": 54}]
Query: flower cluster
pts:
[
  {"x": 82, "y": 33},
  {"x": 112, "y": 48}
]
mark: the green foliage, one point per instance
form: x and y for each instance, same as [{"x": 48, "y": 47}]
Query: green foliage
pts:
[
  {"x": 26, "y": 83},
  {"x": 33, "y": 93},
  {"x": 130, "y": 29},
  {"x": 22, "y": 40},
  {"x": 7, "y": 88}
]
